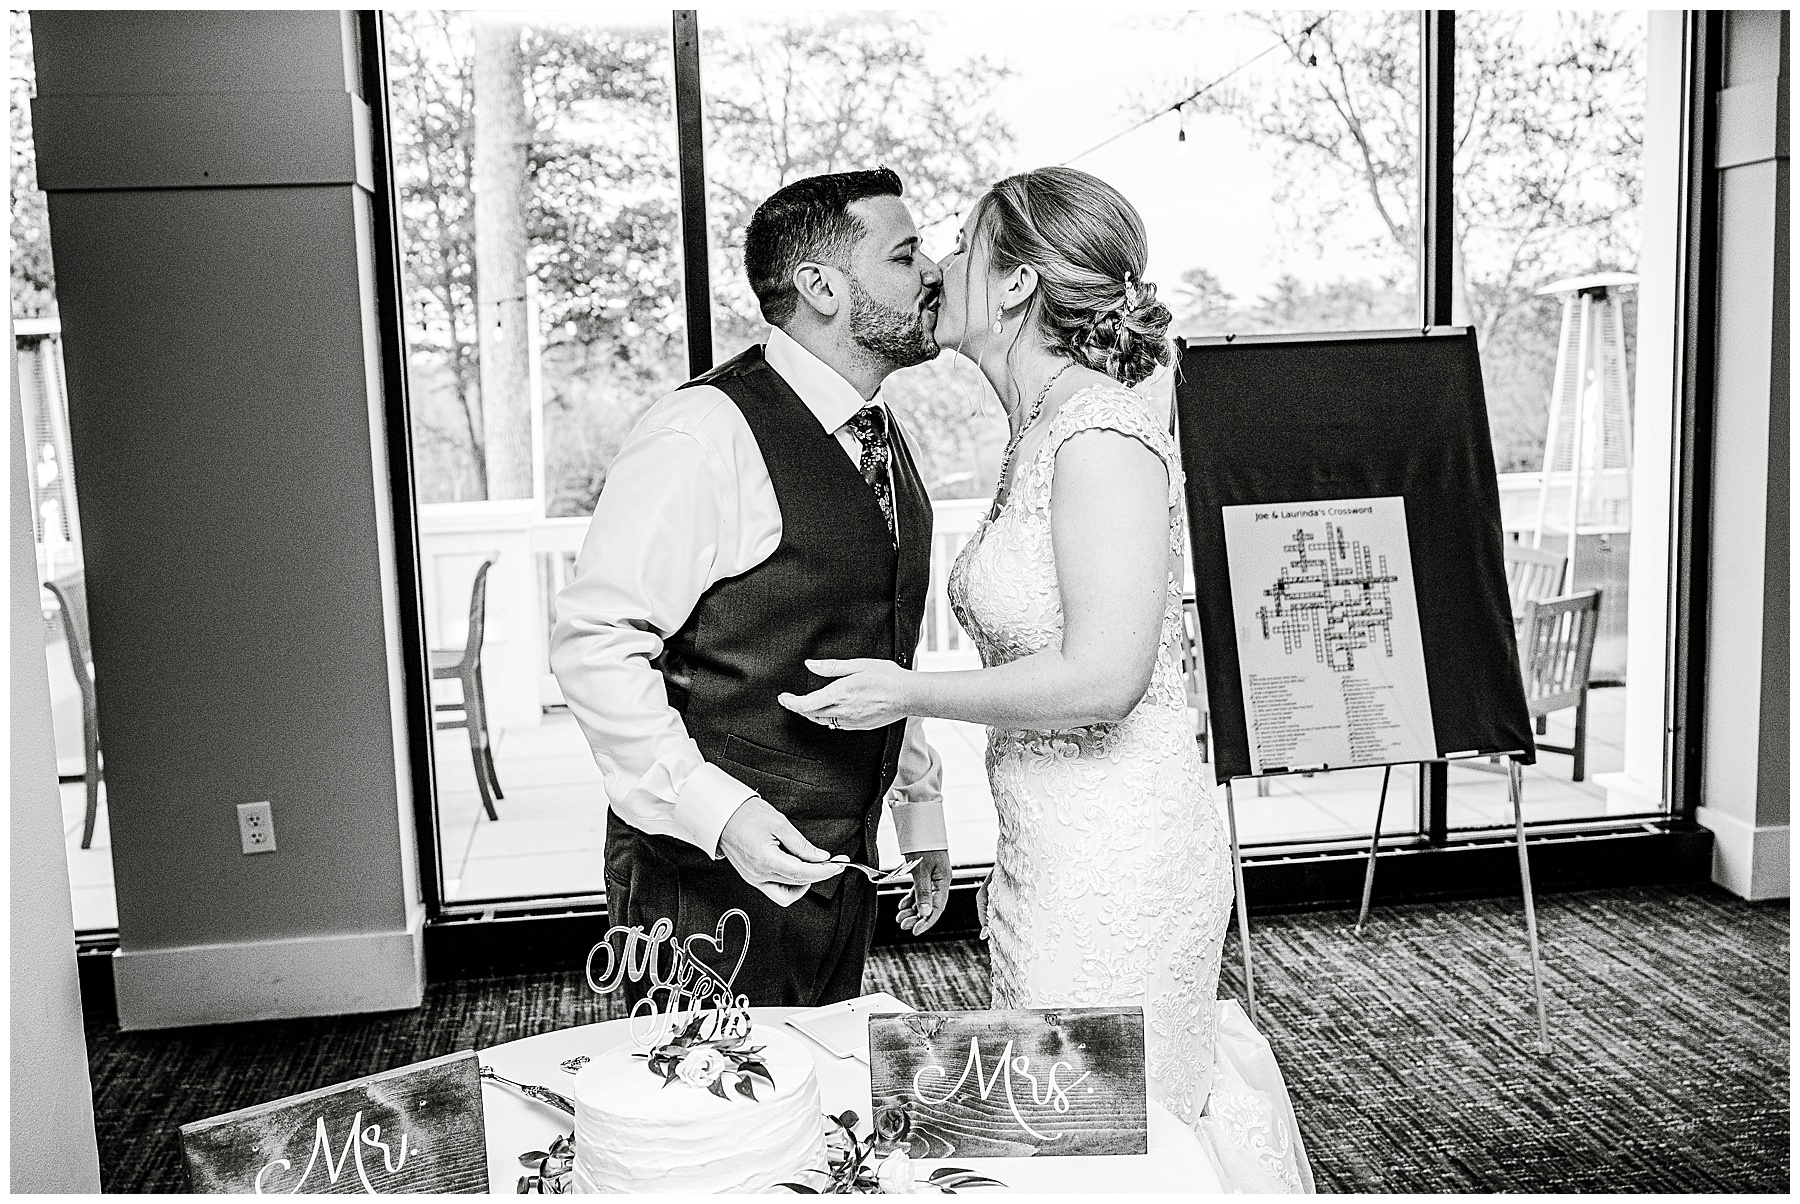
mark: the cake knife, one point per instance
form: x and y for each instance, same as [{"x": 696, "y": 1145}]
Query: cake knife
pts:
[
  {"x": 541, "y": 1094},
  {"x": 885, "y": 877}
]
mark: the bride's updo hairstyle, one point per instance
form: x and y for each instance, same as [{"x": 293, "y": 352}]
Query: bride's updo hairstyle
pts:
[{"x": 1087, "y": 244}]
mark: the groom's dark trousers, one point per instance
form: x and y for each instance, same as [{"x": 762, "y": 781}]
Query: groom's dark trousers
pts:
[{"x": 836, "y": 587}]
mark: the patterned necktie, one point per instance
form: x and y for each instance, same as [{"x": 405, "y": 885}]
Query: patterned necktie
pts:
[{"x": 869, "y": 425}]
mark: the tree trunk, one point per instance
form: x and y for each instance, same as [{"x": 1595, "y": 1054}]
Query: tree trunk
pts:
[
  {"x": 1462, "y": 313},
  {"x": 500, "y": 189}
]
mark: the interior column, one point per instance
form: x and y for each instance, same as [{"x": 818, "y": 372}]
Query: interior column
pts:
[{"x": 209, "y": 187}]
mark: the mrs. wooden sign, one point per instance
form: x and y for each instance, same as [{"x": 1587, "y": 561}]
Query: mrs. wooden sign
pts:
[
  {"x": 415, "y": 1129},
  {"x": 1009, "y": 1084}
]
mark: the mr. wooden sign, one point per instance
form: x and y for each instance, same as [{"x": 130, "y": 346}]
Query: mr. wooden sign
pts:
[
  {"x": 1009, "y": 1084},
  {"x": 415, "y": 1129}
]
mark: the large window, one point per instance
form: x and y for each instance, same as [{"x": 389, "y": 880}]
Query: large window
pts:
[
  {"x": 1277, "y": 159},
  {"x": 790, "y": 95},
  {"x": 535, "y": 165},
  {"x": 56, "y": 526},
  {"x": 1550, "y": 112},
  {"x": 586, "y": 306},
  {"x": 1292, "y": 200}
]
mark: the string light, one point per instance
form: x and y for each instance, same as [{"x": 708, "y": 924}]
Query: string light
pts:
[
  {"x": 1179, "y": 108},
  {"x": 1196, "y": 94}
]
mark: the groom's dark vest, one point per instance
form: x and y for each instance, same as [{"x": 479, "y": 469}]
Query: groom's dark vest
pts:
[{"x": 834, "y": 588}]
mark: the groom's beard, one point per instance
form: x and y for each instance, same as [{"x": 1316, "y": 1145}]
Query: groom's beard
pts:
[{"x": 897, "y": 336}]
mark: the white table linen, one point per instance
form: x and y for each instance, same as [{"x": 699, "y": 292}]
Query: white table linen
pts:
[{"x": 1176, "y": 1161}]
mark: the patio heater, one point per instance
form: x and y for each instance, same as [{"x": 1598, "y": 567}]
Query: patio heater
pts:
[{"x": 1588, "y": 442}]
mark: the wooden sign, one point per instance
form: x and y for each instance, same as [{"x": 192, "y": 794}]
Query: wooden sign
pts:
[
  {"x": 1009, "y": 1084},
  {"x": 416, "y": 1129}
]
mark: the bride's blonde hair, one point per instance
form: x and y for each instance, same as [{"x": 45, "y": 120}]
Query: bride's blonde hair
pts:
[{"x": 1087, "y": 244}]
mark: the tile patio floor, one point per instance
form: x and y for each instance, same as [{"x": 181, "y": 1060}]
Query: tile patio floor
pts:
[{"x": 553, "y": 821}]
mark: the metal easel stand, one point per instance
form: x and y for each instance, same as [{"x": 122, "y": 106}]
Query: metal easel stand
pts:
[
  {"x": 1243, "y": 914},
  {"x": 1362, "y": 915},
  {"x": 1515, "y": 788}
]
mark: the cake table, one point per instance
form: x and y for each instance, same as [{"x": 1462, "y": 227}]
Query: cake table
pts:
[{"x": 1176, "y": 1161}]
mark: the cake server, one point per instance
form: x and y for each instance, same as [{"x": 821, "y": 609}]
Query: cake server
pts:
[
  {"x": 885, "y": 877},
  {"x": 541, "y": 1094}
]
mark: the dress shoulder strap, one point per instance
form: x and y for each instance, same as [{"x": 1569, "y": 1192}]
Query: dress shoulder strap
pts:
[{"x": 1114, "y": 408}]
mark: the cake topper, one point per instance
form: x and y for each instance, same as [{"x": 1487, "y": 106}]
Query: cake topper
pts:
[
  {"x": 699, "y": 1026},
  {"x": 680, "y": 979}
]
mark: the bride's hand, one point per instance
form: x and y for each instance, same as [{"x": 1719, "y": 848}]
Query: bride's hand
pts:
[{"x": 867, "y": 694}]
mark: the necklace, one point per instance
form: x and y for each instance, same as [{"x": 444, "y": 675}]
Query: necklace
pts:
[{"x": 1012, "y": 445}]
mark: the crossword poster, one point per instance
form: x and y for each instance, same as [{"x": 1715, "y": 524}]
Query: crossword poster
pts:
[
  {"x": 1365, "y": 621},
  {"x": 1329, "y": 649}
]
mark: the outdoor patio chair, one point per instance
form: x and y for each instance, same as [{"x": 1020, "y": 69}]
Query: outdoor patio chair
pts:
[
  {"x": 1556, "y": 648},
  {"x": 1532, "y": 574},
  {"x": 71, "y": 600},
  {"x": 464, "y": 665}
]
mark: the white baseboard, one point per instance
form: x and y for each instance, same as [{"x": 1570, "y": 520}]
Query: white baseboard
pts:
[
  {"x": 1749, "y": 861},
  {"x": 270, "y": 980}
]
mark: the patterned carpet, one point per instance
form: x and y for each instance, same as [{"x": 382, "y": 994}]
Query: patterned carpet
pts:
[{"x": 1408, "y": 1051}]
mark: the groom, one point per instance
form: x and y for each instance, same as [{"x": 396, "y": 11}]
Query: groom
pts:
[{"x": 766, "y": 513}]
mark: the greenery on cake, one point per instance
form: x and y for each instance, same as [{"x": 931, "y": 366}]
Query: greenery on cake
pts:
[
  {"x": 551, "y": 1168},
  {"x": 720, "y": 1064},
  {"x": 852, "y": 1169}
]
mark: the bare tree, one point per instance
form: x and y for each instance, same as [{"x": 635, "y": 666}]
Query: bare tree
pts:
[
  {"x": 799, "y": 95},
  {"x": 501, "y": 188},
  {"x": 604, "y": 211},
  {"x": 1547, "y": 137},
  {"x": 431, "y": 89},
  {"x": 33, "y": 281},
  {"x": 1342, "y": 112},
  {"x": 600, "y": 231},
  {"x": 1200, "y": 300},
  {"x": 1549, "y": 114},
  {"x": 602, "y": 215}
]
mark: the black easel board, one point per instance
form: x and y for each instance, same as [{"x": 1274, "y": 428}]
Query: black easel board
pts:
[{"x": 1276, "y": 420}]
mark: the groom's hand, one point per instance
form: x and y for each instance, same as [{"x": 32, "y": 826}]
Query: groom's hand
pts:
[
  {"x": 769, "y": 853},
  {"x": 930, "y": 893}
]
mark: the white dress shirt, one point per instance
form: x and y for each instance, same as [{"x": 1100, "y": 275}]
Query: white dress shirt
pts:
[{"x": 688, "y": 503}]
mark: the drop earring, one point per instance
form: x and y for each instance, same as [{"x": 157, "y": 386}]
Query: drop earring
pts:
[{"x": 999, "y": 326}]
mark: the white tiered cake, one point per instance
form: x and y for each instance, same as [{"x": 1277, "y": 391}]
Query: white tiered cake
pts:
[{"x": 634, "y": 1133}]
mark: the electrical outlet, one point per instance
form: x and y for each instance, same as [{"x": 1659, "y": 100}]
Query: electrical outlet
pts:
[{"x": 256, "y": 827}]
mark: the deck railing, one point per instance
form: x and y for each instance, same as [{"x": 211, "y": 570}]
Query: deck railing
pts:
[
  {"x": 535, "y": 557},
  {"x": 943, "y": 644}
]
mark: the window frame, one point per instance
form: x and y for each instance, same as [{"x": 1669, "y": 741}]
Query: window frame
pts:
[{"x": 1310, "y": 873}]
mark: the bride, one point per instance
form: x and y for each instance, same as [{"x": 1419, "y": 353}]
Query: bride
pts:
[{"x": 1112, "y": 875}]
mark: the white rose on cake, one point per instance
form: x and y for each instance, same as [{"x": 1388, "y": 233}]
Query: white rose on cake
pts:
[{"x": 702, "y": 1067}]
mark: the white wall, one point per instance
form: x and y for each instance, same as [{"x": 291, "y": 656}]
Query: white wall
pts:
[
  {"x": 1747, "y": 742},
  {"x": 53, "y": 1146}
]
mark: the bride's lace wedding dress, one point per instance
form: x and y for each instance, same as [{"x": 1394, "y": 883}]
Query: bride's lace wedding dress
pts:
[{"x": 1112, "y": 875}]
